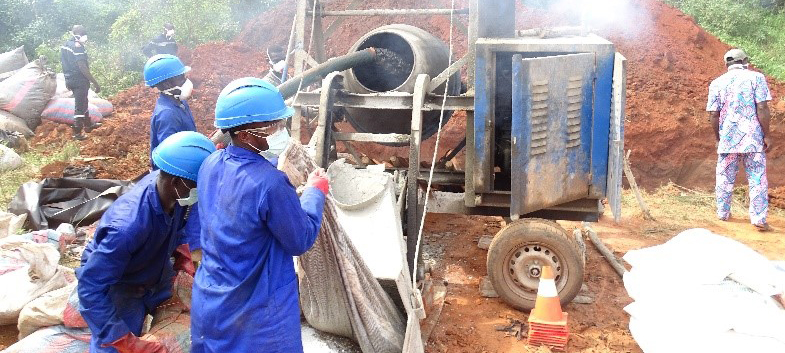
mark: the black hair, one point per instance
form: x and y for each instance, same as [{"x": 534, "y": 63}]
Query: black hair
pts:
[{"x": 233, "y": 130}]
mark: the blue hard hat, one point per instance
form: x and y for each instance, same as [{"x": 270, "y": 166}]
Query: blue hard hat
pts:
[
  {"x": 161, "y": 67},
  {"x": 182, "y": 153},
  {"x": 249, "y": 100}
]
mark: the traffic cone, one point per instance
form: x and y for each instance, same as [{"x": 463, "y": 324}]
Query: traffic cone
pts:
[{"x": 547, "y": 323}]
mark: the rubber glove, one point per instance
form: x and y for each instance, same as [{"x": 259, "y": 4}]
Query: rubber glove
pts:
[
  {"x": 132, "y": 344},
  {"x": 182, "y": 260},
  {"x": 318, "y": 179}
]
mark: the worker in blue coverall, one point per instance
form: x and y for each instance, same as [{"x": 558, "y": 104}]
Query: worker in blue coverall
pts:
[
  {"x": 245, "y": 296},
  {"x": 126, "y": 269},
  {"x": 171, "y": 115}
]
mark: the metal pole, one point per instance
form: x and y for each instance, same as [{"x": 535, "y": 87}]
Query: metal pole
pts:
[
  {"x": 413, "y": 212},
  {"x": 299, "y": 45},
  {"x": 318, "y": 36},
  {"x": 394, "y": 12}
]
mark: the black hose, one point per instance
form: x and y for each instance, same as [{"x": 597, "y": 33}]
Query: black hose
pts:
[{"x": 340, "y": 63}]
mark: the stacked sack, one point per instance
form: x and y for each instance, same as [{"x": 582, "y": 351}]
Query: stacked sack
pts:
[
  {"x": 24, "y": 90},
  {"x": 61, "y": 108}
]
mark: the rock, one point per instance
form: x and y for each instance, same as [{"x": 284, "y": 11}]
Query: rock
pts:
[
  {"x": 485, "y": 242},
  {"x": 486, "y": 288},
  {"x": 583, "y": 299}
]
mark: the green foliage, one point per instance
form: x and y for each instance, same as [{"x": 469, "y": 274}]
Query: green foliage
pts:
[
  {"x": 757, "y": 26},
  {"x": 32, "y": 22},
  {"x": 34, "y": 160},
  {"x": 118, "y": 29},
  {"x": 195, "y": 21}
]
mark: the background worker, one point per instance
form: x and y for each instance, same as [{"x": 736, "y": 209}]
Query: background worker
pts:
[
  {"x": 172, "y": 115},
  {"x": 126, "y": 271},
  {"x": 76, "y": 69},
  {"x": 245, "y": 291},
  {"x": 276, "y": 58},
  {"x": 163, "y": 43},
  {"x": 739, "y": 113}
]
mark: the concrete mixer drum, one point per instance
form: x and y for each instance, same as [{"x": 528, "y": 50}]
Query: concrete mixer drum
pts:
[{"x": 403, "y": 52}]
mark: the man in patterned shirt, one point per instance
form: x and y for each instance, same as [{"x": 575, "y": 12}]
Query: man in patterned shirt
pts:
[{"x": 739, "y": 113}]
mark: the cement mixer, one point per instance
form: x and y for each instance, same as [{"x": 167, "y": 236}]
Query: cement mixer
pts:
[{"x": 543, "y": 139}]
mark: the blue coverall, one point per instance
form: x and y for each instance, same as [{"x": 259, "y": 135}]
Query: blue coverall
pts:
[
  {"x": 245, "y": 296},
  {"x": 170, "y": 117},
  {"x": 126, "y": 269}
]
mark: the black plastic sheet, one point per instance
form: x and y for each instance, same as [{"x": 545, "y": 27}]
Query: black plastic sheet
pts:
[{"x": 79, "y": 202}]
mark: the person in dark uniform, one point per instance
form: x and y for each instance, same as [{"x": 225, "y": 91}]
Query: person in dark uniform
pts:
[
  {"x": 76, "y": 70},
  {"x": 276, "y": 58},
  {"x": 163, "y": 43}
]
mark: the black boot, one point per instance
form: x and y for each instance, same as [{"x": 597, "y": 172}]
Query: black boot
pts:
[
  {"x": 89, "y": 126},
  {"x": 77, "y": 129}
]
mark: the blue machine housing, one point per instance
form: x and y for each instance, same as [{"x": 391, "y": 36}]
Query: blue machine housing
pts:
[{"x": 544, "y": 105}]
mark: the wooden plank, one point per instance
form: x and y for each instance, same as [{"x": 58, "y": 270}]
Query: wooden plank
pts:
[
  {"x": 448, "y": 72},
  {"x": 631, "y": 179},
  {"x": 616, "y": 147}
]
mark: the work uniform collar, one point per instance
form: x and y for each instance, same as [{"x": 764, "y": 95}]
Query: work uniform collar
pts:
[
  {"x": 155, "y": 201},
  {"x": 736, "y": 66},
  {"x": 169, "y": 100},
  {"x": 244, "y": 153}
]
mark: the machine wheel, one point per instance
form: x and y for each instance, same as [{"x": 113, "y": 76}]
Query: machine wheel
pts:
[{"x": 516, "y": 257}]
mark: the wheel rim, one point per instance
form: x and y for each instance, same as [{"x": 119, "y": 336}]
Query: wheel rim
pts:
[{"x": 523, "y": 267}]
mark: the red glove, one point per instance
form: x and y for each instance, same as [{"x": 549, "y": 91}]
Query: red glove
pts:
[
  {"x": 182, "y": 260},
  {"x": 132, "y": 344},
  {"x": 318, "y": 179}
]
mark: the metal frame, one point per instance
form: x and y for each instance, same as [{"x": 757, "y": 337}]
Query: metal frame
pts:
[{"x": 330, "y": 98}]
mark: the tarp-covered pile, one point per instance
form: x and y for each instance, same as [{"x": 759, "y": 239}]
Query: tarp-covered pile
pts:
[
  {"x": 52, "y": 202},
  {"x": 338, "y": 292},
  {"x": 702, "y": 292}
]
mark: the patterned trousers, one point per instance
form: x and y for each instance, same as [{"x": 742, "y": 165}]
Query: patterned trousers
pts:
[{"x": 755, "y": 166}]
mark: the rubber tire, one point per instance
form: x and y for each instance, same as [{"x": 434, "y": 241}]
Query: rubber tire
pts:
[{"x": 517, "y": 234}]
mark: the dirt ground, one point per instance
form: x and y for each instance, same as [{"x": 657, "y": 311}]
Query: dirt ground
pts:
[
  {"x": 468, "y": 322},
  {"x": 671, "y": 61}
]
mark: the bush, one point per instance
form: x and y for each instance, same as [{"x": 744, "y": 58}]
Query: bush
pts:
[
  {"x": 757, "y": 26},
  {"x": 118, "y": 29}
]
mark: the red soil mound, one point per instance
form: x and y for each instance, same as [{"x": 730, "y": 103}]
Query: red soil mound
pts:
[{"x": 671, "y": 61}]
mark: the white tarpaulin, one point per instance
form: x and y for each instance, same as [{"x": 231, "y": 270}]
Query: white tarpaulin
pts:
[
  {"x": 27, "y": 271},
  {"x": 702, "y": 292},
  {"x": 338, "y": 293}
]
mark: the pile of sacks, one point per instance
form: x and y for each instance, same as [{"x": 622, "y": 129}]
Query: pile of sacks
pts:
[
  {"x": 29, "y": 92},
  {"x": 39, "y": 295},
  {"x": 703, "y": 292}
]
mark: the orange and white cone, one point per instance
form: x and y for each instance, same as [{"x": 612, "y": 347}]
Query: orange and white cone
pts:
[{"x": 547, "y": 323}]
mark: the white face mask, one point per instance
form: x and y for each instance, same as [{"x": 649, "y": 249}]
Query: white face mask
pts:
[
  {"x": 170, "y": 33},
  {"x": 279, "y": 66},
  {"x": 185, "y": 90},
  {"x": 81, "y": 39},
  {"x": 192, "y": 198},
  {"x": 276, "y": 143}
]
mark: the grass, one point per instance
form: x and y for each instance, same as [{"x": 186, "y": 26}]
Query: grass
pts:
[
  {"x": 743, "y": 24},
  {"x": 34, "y": 159},
  {"x": 677, "y": 208}
]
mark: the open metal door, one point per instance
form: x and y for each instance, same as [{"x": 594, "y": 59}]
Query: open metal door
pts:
[
  {"x": 551, "y": 130},
  {"x": 616, "y": 146}
]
